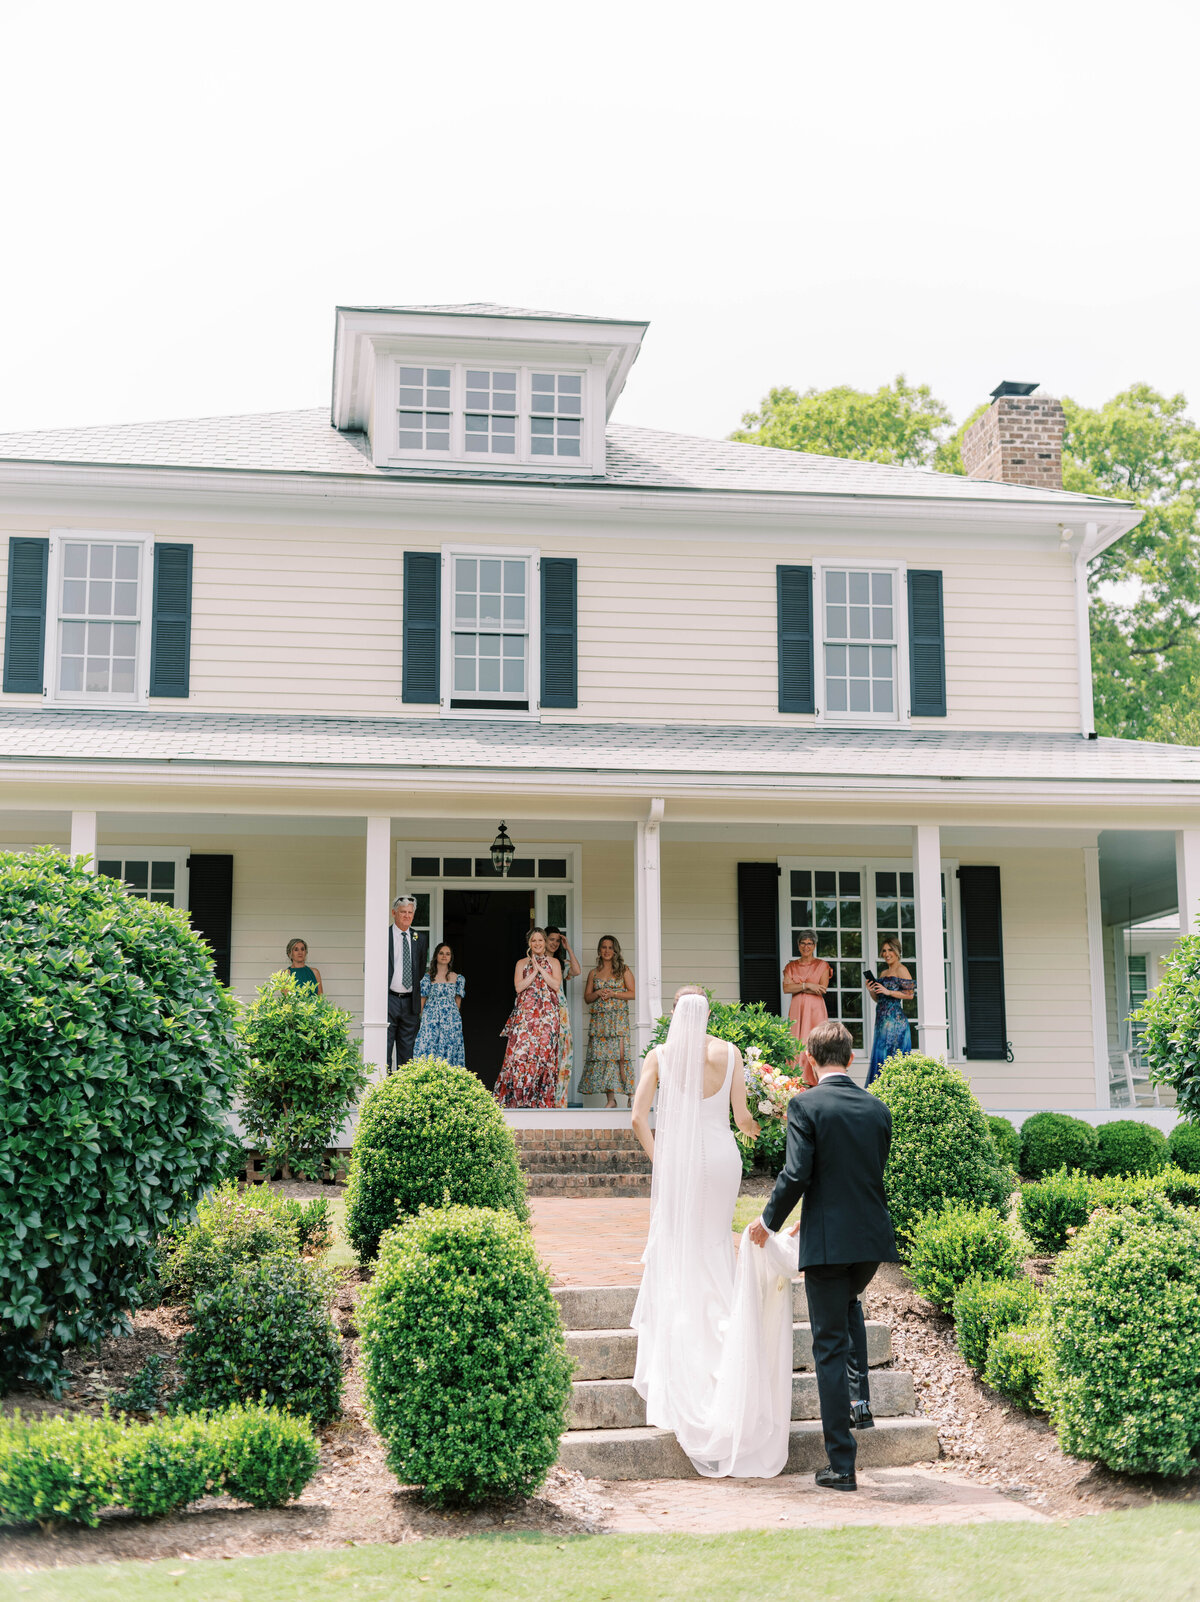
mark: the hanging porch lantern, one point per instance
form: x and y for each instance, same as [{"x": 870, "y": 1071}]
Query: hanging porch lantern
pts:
[{"x": 503, "y": 852}]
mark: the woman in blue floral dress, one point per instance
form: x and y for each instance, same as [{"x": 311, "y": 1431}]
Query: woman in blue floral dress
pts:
[
  {"x": 893, "y": 987},
  {"x": 440, "y": 1034}
]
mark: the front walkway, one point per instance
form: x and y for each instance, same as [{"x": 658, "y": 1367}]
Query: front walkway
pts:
[{"x": 592, "y": 1242}]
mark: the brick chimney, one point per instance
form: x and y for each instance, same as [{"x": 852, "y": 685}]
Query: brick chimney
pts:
[{"x": 1018, "y": 440}]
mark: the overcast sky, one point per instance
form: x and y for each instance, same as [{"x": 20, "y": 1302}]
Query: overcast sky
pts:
[{"x": 792, "y": 193}]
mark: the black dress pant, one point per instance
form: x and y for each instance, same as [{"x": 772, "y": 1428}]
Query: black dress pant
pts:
[
  {"x": 833, "y": 1290},
  {"x": 404, "y": 1019}
]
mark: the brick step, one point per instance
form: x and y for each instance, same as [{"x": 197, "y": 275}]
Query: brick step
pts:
[
  {"x": 615, "y": 1405},
  {"x": 583, "y": 1162},
  {"x": 609, "y": 1354},
  {"x": 650, "y": 1454},
  {"x": 610, "y": 1307},
  {"x": 579, "y": 1187},
  {"x": 538, "y": 1140}
]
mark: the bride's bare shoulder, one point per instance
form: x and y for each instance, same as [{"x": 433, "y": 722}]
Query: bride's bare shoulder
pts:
[{"x": 717, "y": 1049}]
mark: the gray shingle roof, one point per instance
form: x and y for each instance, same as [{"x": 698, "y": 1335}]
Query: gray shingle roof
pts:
[
  {"x": 717, "y": 751},
  {"x": 643, "y": 458}
]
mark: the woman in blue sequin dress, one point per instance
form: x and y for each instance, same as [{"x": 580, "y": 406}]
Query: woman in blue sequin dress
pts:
[
  {"x": 441, "y": 1034},
  {"x": 893, "y": 987}
]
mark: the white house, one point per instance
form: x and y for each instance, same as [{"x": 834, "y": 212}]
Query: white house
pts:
[{"x": 272, "y": 668}]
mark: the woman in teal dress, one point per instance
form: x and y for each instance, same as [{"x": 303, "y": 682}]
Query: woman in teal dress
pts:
[
  {"x": 893, "y": 987},
  {"x": 297, "y": 955},
  {"x": 442, "y": 991}
]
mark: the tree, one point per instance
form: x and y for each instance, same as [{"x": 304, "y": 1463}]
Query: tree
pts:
[{"x": 899, "y": 424}]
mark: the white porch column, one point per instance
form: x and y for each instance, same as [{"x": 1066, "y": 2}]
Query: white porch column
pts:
[
  {"x": 1095, "y": 937},
  {"x": 375, "y": 930},
  {"x": 934, "y": 1037},
  {"x": 83, "y": 837},
  {"x": 1187, "y": 878},
  {"x": 647, "y": 893}
]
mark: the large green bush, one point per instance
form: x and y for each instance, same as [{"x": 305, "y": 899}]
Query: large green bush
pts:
[
  {"x": 942, "y": 1149},
  {"x": 264, "y": 1333},
  {"x": 304, "y": 1077},
  {"x": 467, "y": 1373},
  {"x": 429, "y": 1133},
  {"x": 118, "y": 1062},
  {"x": 1007, "y": 1140},
  {"x": 1050, "y": 1141},
  {"x": 743, "y": 1024},
  {"x": 948, "y": 1248},
  {"x": 1183, "y": 1147},
  {"x": 1124, "y": 1341},
  {"x": 1170, "y": 1017},
  {"x": 1016, "y": 1363},
  {"x": 1126, "y": 1146},
  {"x": 983, "y": 1307}
]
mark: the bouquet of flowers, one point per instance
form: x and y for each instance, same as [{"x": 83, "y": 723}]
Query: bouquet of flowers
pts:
[{"x": 768, "y": 1090}]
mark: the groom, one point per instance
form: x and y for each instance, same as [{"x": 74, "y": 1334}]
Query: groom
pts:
[{"x": 838, "y": 1137}]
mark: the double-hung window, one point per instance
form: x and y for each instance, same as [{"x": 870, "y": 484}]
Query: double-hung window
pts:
[
  {"x": 508, "y": 416},
  {"x": 99, "y": 604},
  {"x": 491, "y": 643},
  {"x": 556, "y": 414},
  {"x": 861, "y": 621},
  {"x": 491, "y": 413},
  {"x": 424, "y": 410}
]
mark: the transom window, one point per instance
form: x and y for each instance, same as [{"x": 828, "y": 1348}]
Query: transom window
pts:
[
  {"x": 860, "y": 642},
  {"x": 98, "y": 618},
  {"x": 424, "y": 409},
  {"x": 490, "y": 631},
  {"x": 491, "y": 416},
  {"x": 556, "y": 414},
  {"x": 511, "y": 414}
]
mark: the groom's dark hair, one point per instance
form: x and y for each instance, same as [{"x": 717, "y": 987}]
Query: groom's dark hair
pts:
[{"x": 829, "y": 1044}]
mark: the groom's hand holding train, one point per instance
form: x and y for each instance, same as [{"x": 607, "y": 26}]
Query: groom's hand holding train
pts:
[{"x": 838, "y": 1137}]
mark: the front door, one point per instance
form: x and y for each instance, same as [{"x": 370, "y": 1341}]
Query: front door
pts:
[{"x": 488, "y": 931}]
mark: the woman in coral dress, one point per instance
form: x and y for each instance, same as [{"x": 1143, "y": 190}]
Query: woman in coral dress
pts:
[
  {"x": 806, "y": 982},
  {"x": 529, "y": 1077}
]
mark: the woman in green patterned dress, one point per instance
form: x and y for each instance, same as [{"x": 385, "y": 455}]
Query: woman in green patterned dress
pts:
[{"x": 608, "y": 1066}]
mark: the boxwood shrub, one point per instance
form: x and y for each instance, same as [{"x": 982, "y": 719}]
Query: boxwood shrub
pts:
[
  {"x": 1050, "y": 1141},
  {"x": 1124, "y": 1341},
  {"x": 467, "y": 1374},
  {"x": 982, "y": 1307},
  {"x": 118, "y": 1061},
  {"x": 950, "y": 1247},
  {"x": 428, "y": 1134},
  {"x": 1050, "y": 1208},
  {"x": 1125, "y": 1146},
  {"x": 229, "y": 1230},
  {"x": 1183, "y": 1147},
  {"x": 56, "y": 1470},
  {"x": 942, "y": 1149},
  {"x": 1170, "y": 1017},
  {"x": 1016, "y": 1364},
  {"x": 1007, "y": 1140},
  {"x": 263, "y": 1333}
]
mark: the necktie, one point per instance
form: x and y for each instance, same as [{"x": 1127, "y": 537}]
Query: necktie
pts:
[{"x": 405, "y": 961}]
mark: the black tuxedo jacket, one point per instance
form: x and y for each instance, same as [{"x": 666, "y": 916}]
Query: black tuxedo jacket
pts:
[
  {"x": 838, "y": 1138},
  {"x": 420, "y": 948}
]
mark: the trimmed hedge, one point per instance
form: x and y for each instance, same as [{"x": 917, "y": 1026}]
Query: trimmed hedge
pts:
[
  {"x": 942, "y": 1149},
  {"x": 428, "y": 1135},
  {"x": 466, "y": 1368},
  {"x": 64, "y": 1470},
  {"x": 955, "y": 1245},
  {"x": 118, "y": 1062},
  {"x": 1183, "y": 1147},
  {"x": 1126, "y": 1147},
  {"x": 1016, "y": 1364},
  {"x": 1007, "y": 1140},
  {"x": 983, "y": 1307},
  {"x": 1124, "y": 1341},
  {"x": 1050, "y": 1141}
]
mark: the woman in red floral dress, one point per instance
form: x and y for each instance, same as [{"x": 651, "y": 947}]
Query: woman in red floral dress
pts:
[{"x": 529, "y": 1077}]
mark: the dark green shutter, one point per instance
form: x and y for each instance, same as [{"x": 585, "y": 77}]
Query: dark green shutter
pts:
[
  {"x": 983, "y": 964},
  {"x": 926, "y": 645},
  {"x": 758, "y": 933},
  {"x": 794, "y": 624},
  {"x": 25, "y": 616},
  {"x": 560, "y": 631},
  {"x": 171, "y": 629},
  {"x": 210, "y": 907},
  {"x": 421, "y": 669}
]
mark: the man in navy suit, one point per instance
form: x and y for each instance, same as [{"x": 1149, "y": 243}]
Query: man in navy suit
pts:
[
  {"x": 408, "y": 958},
  {"x": 838, "y": 1138}
]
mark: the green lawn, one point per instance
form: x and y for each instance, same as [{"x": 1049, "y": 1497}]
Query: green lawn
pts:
[
  {"x": 340, "y": 1255},
  {"x": 748, "y": 1208},
  {"x": 1120, "y": 1557}
]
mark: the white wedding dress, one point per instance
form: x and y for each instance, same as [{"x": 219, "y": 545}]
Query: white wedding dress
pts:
[{"x": 714, "y": 1327}]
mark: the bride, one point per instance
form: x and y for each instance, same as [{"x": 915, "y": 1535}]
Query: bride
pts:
[{"x": 714, "y": 1327}]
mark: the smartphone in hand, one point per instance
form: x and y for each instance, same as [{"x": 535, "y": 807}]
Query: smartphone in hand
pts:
[{"x": 869, "y": 978}]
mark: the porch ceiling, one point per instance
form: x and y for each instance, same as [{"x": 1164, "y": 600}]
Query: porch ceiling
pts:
[{"x": 1137, "y": 874}]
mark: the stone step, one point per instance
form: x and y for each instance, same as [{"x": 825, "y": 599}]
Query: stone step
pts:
[
  {"x": 610, "y": 1354},
  {"x": 582, "y": 1186},
  {"x": 649, "y": 1454},
  {"x": 615, "y": 1405},
  {"x": 611, "y": 1306}
]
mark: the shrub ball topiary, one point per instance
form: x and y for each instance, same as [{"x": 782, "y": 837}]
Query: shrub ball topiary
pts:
[
  {"x": 942, "y": 1149},
  {"x": 1050, "y": 1141},
  {"x": 1183, "y": 1147},
  {"x": 1125, "y": 1146},
  {"x": 1169, "y": 1042},
  {"x": 1124, "y": 1341},
  {"x": 267, "y": 1457},
  {"x": 1051, "y": 1208},
  {"x": 949, "y": 1247},
  {"x": 263, "y": 1334},
  {"x": 982, "y": 1307},
  {"x": 1007, "y": 1140},
  {"x": 467, "y": 1373},
  {"x": 118, "y": 1062},
  {"x": 304, "y": 1077},
  {"x": 428, "y": 1134},
  {"x": 1016, "y": 1364}
]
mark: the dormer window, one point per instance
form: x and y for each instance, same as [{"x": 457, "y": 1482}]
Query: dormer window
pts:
[
  {"x": 424, "y": 409},
  {"x": 491, "y": 419},
  {"x": 509, "y": 415},
  {"x": 556, "y": 420}
]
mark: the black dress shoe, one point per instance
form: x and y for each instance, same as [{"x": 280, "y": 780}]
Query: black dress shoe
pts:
[
  {"x": 829, "y": 1481},
  {"x": 860, "y": 1416}
]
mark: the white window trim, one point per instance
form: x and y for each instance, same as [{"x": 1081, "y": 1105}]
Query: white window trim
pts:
[
  {"x": 868, "y": 866},
  {"x": 532, "y": 555},
  {"x": 144, "y": 619},
  {"x": 591, "y": 433},
  {"x": 902, "y": 715},
  {"x": 109, "y": 850}
]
